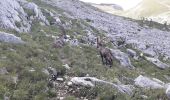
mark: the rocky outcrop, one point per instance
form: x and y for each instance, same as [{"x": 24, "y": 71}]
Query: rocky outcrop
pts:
[
  {"x": 91, "y": 81},
  {"x": 157, "y": 62},
  {"x": 146, "y": 82},
  {"x": 122, "y": 58},
  {"x": 10, "y": 38},
  {"x": 33, "y": 10},
  {"x": 15, "y": 15},
  {"x": 11, "y": 13}
]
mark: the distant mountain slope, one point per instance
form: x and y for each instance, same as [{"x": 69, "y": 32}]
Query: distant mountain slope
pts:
[
  {"x": 110, "y": 8},
  {"x": 151, "y": 9},
  {"x": 155, "y": 9},
  {"x": 147, "y": 8}
]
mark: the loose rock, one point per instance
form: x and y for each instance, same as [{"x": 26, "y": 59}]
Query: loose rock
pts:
[
  {"x": 10, "y": 38},
  {"x": 146, "y": 82}
]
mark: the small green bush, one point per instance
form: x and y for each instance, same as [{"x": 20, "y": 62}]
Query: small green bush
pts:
[{"x": 29, "y": 12}]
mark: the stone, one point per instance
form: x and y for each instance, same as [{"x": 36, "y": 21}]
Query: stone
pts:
[
  {"x": 6, "y": 98},
  {"x": 122, "y": 58},
  {"x": 157, "y": 62},
  {"x": 168, "y": 91},
  {"x": 127, "y": 89},
  {"x": 32, "y": 70},
  {"x": 91, "y": 82},
  {"x": 69, "y": 83},
  {"x": 3, "y": 71},
  {"x": 144, "y": 97},
  {"x": 52, "y": 70},
  {"x": 82, "y": 81},
  {"x": 67, "y": 67},
  {"x": 74, "y": 42},
  {"x": 150, "y": 52},
  {"x": 10, "y": 38},
  {"x": 57, "y": 19},
  {"x": 131, "y": 53},
  {"x": 60, "y": 79},
  {"x": 61, "y": 98},
  {"x": 146, "y": 82}
]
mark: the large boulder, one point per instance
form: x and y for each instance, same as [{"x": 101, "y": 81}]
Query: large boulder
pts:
[
  {"x": 83, "y": 81},
  {"x": 157, "y": 62},
  {"x": 150, "y": 52},
  {"x": 168, "y": 91},
  {"x": 122, "y": 58},
  {"x": 146, "y": 82},
  {"x": 10, "y": 38},
  {"x": 92, "y": 81}
]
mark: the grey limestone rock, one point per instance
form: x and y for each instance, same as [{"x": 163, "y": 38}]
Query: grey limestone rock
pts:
[{"x": 10, "y": 38}]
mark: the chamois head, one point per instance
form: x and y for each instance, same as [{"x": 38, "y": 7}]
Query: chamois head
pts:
[{"x": 99, "y": 42}]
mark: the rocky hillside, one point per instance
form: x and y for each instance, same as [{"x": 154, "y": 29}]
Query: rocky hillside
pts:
[{"x": 48, "y": 51}]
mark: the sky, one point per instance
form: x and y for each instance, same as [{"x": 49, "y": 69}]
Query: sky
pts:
[{"x": 126, "y": 4}]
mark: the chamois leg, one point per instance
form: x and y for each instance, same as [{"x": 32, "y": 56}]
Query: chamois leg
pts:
[
  {"x": 110, "y": 63},
  {"x": 107, "y": 62},
  {"x": 102, "y": 59}
]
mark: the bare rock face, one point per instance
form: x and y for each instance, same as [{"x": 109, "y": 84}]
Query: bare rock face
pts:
[
  {"x": 10, "y": 38},
  {"x": 14, "y": 15},
  {"x": 11, "y": 12}
]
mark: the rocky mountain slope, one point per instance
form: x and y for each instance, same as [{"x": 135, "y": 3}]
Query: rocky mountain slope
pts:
[{"x": 48, "y": 51}]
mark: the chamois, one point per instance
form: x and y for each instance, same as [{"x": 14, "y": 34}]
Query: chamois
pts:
[{"x": 105, "y": 53}]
